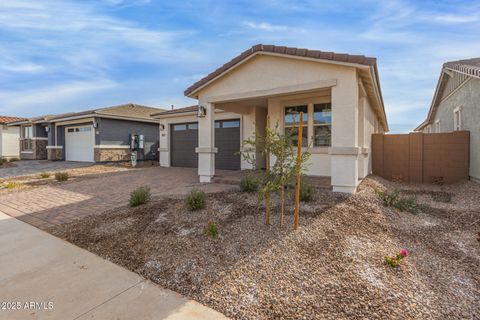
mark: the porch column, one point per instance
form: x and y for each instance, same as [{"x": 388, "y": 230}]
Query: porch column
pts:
[
  {"x": 344, "y": 150},
  {"x": 206, "y": 143}
]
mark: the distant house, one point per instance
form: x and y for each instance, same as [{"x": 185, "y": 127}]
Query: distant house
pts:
[
  {"x": 339, "y": 95},
  {"x": 9, "y": 137},
  {"x": 97, "y": 135},
  {"x": 456, "y": 106}
]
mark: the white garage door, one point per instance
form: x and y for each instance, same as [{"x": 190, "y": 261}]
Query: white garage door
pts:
[{"x": 79, "y": 142}]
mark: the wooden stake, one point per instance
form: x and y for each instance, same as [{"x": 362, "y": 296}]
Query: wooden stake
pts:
[
  {"x": 299, "y": 157},
  {"x": 267, "y": 171}
]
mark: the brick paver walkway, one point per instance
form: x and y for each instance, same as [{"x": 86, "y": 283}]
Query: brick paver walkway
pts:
[{"x": 50, "y": 205}]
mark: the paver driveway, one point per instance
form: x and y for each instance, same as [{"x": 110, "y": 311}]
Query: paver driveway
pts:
[
  {"x": 26, "y": 167},
  {"x": 55, "y": 204}
]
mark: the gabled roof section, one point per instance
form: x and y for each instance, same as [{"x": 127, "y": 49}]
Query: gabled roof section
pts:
[
  {"x": 127, "y": 111},
  {"x": 465, "y": 68},
  {"x": 177, "y": 111},
  {"x": 287, "y": 51},
  {"x": 6, "y": 119}
]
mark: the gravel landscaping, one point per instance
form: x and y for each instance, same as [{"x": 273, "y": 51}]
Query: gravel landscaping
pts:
[{"x": 332, "y": 267}]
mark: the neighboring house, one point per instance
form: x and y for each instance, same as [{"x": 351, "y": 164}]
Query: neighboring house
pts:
[
  {"x": 98, "y": 135},
  {"x": 339, "y": 94},
  {"x": 33, "y": 137},
  {"x": 456, "y": 106},
  {"x": 9, "y": 137}
]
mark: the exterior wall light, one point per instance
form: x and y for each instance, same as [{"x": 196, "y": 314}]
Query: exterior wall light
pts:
[
  {"x": 95, "y": 124},
  {"x": 162, "y": 127},
  {"x": 202, "y": 112}
]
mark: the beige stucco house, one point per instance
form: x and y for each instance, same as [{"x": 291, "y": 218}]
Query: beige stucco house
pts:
[
  {"x": 339, "y": 94},
  {"x": 456, "y": 106}
]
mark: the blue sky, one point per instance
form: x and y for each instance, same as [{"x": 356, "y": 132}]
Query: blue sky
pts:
[{"x": 61, "y": 56}]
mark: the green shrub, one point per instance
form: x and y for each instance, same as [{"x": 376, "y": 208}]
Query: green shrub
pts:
[
  {"x": 44, "y": 175},
  {"x": 306, "y": 192},
  {"x": 393, "y": 199},
  {"x": 61, "y": 176},
  {"x": 196, "y": 200},
  {"x": 139, "y": 196},
  {"x": 249, "y": 184},
  {"x": 13, "y": 159},
  {"x": 211, "y": 229},
  {"x": 2, "y": 161},
  {"x": 11, "y": 185}
]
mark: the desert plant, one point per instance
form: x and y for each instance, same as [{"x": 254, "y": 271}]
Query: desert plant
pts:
[
  {"x": 395, "y": 260},
  {"x": 249, "y": 184},
  {"x": 211, "y": 229},
  {"x": 11, "y": 185},
  {"x": 61, "y": 176},
  {"x": 195, "y": 200},
  {"x": 139, "y": 196},
  {"x": 393, "y": 199},
  {"x": 306, "y": 192},
  {"x": 44, "y": 175}
]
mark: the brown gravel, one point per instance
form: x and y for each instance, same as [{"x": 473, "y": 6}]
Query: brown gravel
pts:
[{"x": 329, "y": 269}]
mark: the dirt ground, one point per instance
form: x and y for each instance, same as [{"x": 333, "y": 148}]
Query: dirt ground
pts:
[{"x": 332, "y": 268}]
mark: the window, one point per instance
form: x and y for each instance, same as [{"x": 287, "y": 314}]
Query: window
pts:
[
  {"x": 322, "y": 124},
  {"x": 193, "y": 126},
  {"x": 231, "y": 124},
  {"x": 26, "y": 142},
  {"x": 292, "y": 118},
  {"x": 179, "y": 127},
  {"x": 457, "y": 119}
]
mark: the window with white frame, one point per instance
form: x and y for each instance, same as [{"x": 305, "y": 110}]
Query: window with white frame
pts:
[
  {"x": 291, "y": 120},
  {"x": 457, "y": 119},
  {"x": 26, "y": 141},
  {"x": 322, "y": 125},
  {"x": 317, "y": 122}
]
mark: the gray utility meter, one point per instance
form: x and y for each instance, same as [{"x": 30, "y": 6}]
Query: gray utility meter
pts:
[{"x": 137, "y": 141}]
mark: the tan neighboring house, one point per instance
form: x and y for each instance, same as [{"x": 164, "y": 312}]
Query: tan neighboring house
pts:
[
  {"x": 339, "y": 94},
  {"x": 456, "y": 106},
  {"x": 9, "y": 137}
]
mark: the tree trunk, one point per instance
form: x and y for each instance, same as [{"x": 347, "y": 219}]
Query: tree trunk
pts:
[{"x": 282, "y": 211}]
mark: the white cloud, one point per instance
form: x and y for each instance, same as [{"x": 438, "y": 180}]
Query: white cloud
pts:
[{"x": 265, "y": 26}]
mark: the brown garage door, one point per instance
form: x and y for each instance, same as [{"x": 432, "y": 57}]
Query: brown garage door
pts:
[{"x": 184, "y": 140}]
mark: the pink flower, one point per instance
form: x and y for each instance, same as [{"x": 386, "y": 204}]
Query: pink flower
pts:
[{"x": 404, "y": 253}]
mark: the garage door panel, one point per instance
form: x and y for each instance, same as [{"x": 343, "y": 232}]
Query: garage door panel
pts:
[
  {"x": 184, "y": 140},
  {"x": 79, "y": 144}
]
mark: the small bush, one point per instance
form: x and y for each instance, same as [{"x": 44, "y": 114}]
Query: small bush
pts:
[
  {"x": 249, "y": 184},
  {"x": 196, "y": 200},
  {"x": 395, "y": 260},
  {"x": 211, "y": 230},
  {"x": 61, "y": 176},
  {"x": 306, "y": 192},
  {"x": 139, "y": 196},
  {"x": 2, "y": 161},
  {"x": 44, "y": 175},
  {"x": 13, "y": 159},
  {"x": 393, "y": 199},
  {"x": 11, "y": 185}
]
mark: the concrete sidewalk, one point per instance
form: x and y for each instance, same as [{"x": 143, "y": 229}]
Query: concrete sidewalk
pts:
[{"x": 75, "y": 284}]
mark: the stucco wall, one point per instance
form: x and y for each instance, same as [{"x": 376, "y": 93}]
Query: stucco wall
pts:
[
  {"x": 9, "y": 141},
  {"x": 467, "y": 97}
]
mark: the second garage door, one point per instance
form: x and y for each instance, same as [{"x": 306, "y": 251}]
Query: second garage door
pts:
[{"x": 184, "y": 140}]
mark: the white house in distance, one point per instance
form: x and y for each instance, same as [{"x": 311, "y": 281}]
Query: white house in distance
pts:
[
  {"x": 456, "y": 106},
  {"x": 339, "y": 94},
  {"x": 9, "y": 138}
]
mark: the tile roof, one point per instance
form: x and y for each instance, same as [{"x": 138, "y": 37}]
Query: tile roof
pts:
[
  {"x": 288, "y": 51},
  {"x": 179, "y": 110},
  {"x": 129, "y": 110},
  {"x": 5, "y": 119},
  {"x": 470, "y": 67}
]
